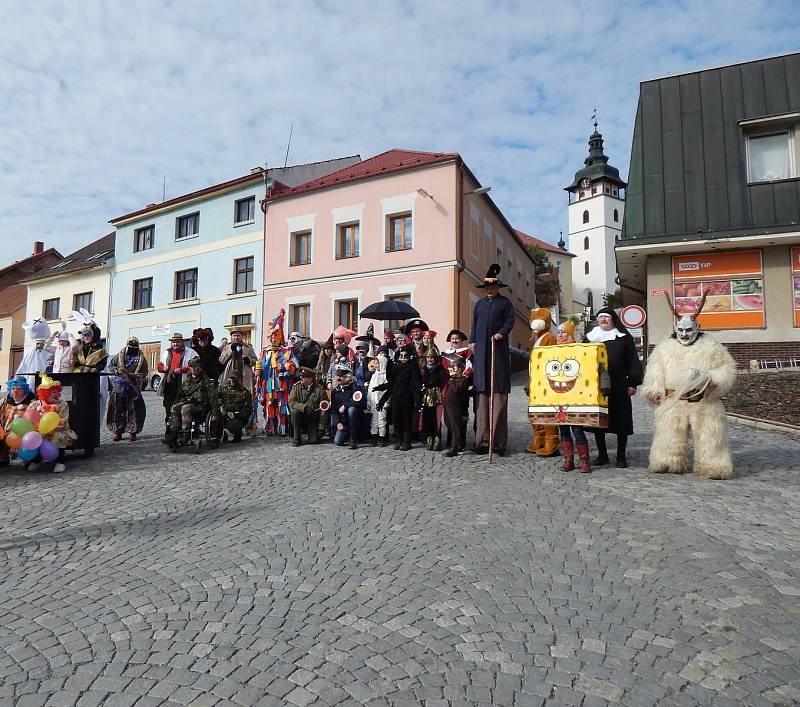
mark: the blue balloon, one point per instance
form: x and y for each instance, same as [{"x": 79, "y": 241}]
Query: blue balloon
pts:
[{"x": 27, "y": 455}]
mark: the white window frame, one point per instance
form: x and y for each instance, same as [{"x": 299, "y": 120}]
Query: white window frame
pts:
[
  {"x": 789, "y": 131},
  {"x": 300, "y": 224}
]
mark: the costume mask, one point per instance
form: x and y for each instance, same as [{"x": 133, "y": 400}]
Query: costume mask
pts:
[
  {"x": 18, "y": 395},
  {"x": 687, "y": 330}
]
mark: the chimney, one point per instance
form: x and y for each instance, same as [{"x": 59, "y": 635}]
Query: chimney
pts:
[
  {"x": 256, "y": 170},
  {"x": 38, "y": 247}
]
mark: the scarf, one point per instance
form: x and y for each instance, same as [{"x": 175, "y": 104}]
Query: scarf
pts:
[{"x": 599, "y": 336}]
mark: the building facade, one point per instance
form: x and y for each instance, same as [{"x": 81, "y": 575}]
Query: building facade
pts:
[
  {"x": 714, "y": 205},
  {"x": 406, "y": 225},
  {"x": 82, "y": 279},
  {"x": 197, "y": 260},
  {"x": 596, "y": 210}
]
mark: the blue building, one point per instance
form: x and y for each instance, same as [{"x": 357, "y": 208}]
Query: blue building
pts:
[{"x": 197, "y": 260}]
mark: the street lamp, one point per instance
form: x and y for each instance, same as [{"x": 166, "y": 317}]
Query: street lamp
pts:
[{"x": 478, "y": 191}]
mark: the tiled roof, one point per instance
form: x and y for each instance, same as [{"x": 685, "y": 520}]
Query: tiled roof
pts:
[
  {"x": 525, "y": 239},
  {"x": 20, "y": 268},
  {"x": 93, "y": 255},
  {"x": 388, "y": 162},
  {"x": 12, "y": 298}
]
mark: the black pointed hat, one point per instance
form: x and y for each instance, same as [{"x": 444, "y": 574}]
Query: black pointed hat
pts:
[{"x": 492, "y": 277}]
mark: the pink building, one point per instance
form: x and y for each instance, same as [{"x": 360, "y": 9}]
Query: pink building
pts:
[{"x": 401, "y": 225}]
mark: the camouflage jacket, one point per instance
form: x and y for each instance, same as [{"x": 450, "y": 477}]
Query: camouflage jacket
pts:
[
  {"x": 236, "y": 399},
  {"x": 198, "y": 390}
]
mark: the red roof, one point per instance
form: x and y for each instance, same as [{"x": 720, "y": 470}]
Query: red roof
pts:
[
  {"x": 525, "y": 239},
  {"x": 388, "y": 162},
  {"x": 12, "y": 298}
]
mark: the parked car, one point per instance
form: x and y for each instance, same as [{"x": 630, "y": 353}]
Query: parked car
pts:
[{"x": 154, "y": 381}]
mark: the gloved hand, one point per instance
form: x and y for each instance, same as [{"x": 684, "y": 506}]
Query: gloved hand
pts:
[{"x": 246, "y": 360}]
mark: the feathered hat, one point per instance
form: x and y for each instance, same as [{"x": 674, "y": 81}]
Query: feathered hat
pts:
[{"x": 276, "y": 327}]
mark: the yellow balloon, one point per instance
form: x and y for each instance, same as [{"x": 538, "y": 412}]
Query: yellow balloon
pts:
[{"x": 49, "y": 421}]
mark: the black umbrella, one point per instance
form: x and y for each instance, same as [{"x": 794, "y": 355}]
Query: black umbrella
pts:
[{"x": 389, "y": 309}]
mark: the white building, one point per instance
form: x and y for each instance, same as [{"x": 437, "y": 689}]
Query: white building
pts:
[{"x": 596, "y": 207}]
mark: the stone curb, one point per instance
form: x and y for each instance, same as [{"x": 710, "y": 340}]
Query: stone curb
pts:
[{"x": 761, "y": 424}]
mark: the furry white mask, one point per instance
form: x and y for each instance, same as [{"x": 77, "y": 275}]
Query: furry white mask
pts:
[{"x": 687, "y": 330}]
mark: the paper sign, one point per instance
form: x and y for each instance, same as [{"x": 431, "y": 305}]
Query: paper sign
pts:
[
  {"x": 66, "y": 393},
  {"x": 160, "y": 329},
  {"x": 657, "y": 293}
]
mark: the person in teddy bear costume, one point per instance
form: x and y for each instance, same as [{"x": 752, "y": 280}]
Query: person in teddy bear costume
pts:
[
  {"x": 545, "y": 437},
  {"x": 686, "y": 377}
]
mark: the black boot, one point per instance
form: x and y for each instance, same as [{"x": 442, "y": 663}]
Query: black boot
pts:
[
  {"x": 374, "y": 440},
  {"x": 398, "y": 441},
  {"x": 406, "y": 445},
  {"x": 602, "y": 450},
  {"x": 384, "y": 440},
  {"x": 622, "y": 445}
]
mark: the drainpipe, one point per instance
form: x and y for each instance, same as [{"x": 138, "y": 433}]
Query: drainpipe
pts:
[
  {"x": 459, "y": 243},
  {"x": 108, "y": 306},
  {"x": 264, "y": 207}
]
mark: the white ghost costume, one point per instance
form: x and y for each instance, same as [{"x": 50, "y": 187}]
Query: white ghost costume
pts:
[{"x": 35, "y": 359}]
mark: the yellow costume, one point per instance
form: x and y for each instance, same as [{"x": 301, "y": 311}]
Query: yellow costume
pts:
[{"x": 545, "y": 437}]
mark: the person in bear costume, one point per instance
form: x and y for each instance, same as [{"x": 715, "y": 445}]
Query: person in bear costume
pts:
[{"x": 545, "y": 437}]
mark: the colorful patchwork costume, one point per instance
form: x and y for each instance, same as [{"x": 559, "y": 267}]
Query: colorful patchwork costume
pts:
[{"x": 276, "y": 372}]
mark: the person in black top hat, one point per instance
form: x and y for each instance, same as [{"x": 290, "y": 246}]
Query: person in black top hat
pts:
[
  {"x": 414, "y": 329},
  {"x": 626, "y": 373},
  {"x": 492, "y": 319}
]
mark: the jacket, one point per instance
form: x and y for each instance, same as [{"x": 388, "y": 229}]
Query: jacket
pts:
[
  {"x": 235, "y": 399},
  {"x": 303, "y": 399},
  {"x": 188, "y": 354}
]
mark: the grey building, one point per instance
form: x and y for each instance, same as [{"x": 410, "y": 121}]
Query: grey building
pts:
[{"x": 713, "y": 204}]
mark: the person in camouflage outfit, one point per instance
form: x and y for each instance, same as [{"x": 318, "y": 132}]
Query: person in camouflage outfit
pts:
[
  {"x": 196, "y": 394},
  {"x": 304, "y": 405},
  {"x": 235, "y": 404}
]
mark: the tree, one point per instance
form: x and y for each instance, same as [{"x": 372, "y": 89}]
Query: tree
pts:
[{"x": 546, "y": 285}]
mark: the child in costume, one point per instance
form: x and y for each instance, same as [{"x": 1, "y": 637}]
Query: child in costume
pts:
[
  {"x": 276, "y": 372},
  {"x": 434, "y": 378},
  {"x": 455, "y": 403},
  {"x": 49, "y": 400},
  {"x": 403, "y": 387},
  {"x": 378, "y": 421},
  {"x": 18, "y": 397}
]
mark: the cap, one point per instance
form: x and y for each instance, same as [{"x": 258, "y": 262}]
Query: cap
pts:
[{"x": 306, "y": 371}]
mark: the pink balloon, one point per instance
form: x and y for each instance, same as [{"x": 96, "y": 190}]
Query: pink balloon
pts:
[
  {"x": 48, "y": 451},
  {"x": 33, "y": 416},
  {"x": 31, "y": 441}
]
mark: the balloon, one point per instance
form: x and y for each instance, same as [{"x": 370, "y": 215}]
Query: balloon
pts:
[
  {"x": 49, "y": 421},
  {"x": 28, "y": 455},
  {"x": 21, "y": 426},
  {"x": 32, "y": 440},
  {"x": 48, "y": 451},
  {"x": 13, "y": 441},
  {"x": 33, "y": 416}
]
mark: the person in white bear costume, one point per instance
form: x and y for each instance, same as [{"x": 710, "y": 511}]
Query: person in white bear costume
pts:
[{"x": 686, "y": 377}]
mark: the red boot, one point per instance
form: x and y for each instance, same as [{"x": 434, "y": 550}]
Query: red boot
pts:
[
  {"x": 583, "y": 455},
  {"x": 567, "y": 450}
]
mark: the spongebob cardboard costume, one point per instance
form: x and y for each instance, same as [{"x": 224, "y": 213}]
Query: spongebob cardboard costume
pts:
[
  {"x": 545, "y": 437},
  {"x": 565, "y": 385}
]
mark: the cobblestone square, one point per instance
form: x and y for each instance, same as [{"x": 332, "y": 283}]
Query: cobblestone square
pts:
[{"x": 264, "y": 574}]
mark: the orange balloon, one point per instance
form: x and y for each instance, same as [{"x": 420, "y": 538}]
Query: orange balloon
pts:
[{"x": 13, "y": 441}]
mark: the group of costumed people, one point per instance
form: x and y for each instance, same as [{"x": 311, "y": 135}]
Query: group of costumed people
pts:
[{"x": 687, "y": 376}]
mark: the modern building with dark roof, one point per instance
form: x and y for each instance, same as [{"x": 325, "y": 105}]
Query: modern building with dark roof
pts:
[
  {"x": 80, "y": 280},
  {"x": 713, "y": 204}
]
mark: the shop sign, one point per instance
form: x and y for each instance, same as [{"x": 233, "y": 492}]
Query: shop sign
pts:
[
  {"x": 657, "y": 293},
  {"x": 733, "y": 281},
  {"x": 796, "y": 284}
]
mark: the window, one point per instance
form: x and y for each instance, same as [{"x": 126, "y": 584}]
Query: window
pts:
[
  {"x": 245, "y": 210},
  {"x": 510, "y": 272},
  {"x": 606, "y": 189},
  {"x": 347, "y": 240},
  {"x": 401, "y": 233},
  {"x": 187, "y": 226},
  {"x": 616, "y": 215},
  {"x": 300, "y": 318},
  {"x": 770, "y": 156},
  {"x": 581, "y": 195},
  {"x": 241, "y": 319},
  {"x": 301, "y": 248},
  {"x": 82, "y": 300},
  {"x": 586, "y": 268},
  {"x": 594, "y": 191},
  {"x": 499, "y": 256},
  {"x": 586, "y": 242},
  {"x": 347, "y": 313},
  {"x": 586, "y": 217},
  {"x": 143, "y": 238},
  {"x": 397, "y": 324},
  {"x": 1, "y": 339},
  {"x": 243, "y": 278},
  {"x": 50, "y": 308},
  {"x": 143, "y": 293},
  {"x": 186, "y": 284}
]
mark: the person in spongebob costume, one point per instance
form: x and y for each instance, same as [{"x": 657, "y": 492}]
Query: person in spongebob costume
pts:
[
  {"x": 687, "y": 376},
  {"x": 545, "y": 437}
]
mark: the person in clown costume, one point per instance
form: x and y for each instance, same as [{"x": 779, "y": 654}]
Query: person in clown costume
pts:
[
  {"x": 13, "y": 405},
  {"x": 49, "y": 400},
  {"x": 545, "y": 437},
  {"x": 275, "y": 373}
]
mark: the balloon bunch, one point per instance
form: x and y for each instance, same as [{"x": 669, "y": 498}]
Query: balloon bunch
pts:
[{"x": 27, "y": 435}]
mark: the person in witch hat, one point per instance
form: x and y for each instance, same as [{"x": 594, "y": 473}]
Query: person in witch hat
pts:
[{"x": 492, "y": 319}]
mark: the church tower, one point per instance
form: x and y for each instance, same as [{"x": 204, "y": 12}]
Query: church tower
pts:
[{"x": 596, "y": 207}]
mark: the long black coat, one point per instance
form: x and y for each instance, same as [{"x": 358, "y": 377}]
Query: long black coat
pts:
[
  {"x": 625, "y": 370},
  {"x": 490, "y": 317}
]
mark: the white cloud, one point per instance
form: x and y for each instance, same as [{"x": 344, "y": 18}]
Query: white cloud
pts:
[{"x": 101, "y": 100}]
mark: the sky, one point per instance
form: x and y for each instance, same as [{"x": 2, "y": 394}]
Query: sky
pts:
[{"x": 100, "y": 101}]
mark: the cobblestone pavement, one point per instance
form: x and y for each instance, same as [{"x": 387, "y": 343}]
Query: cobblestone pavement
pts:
[{"x": 318, "y": 576}]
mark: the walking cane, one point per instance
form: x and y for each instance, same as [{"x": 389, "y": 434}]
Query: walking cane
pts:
[{"x": 491, "y": 404}]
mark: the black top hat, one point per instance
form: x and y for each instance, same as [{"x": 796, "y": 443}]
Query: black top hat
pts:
[
  {"x": 491, "y": 277},
  {"x": 460, "y": 333},
  {"x": 415, "y": 324}
]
